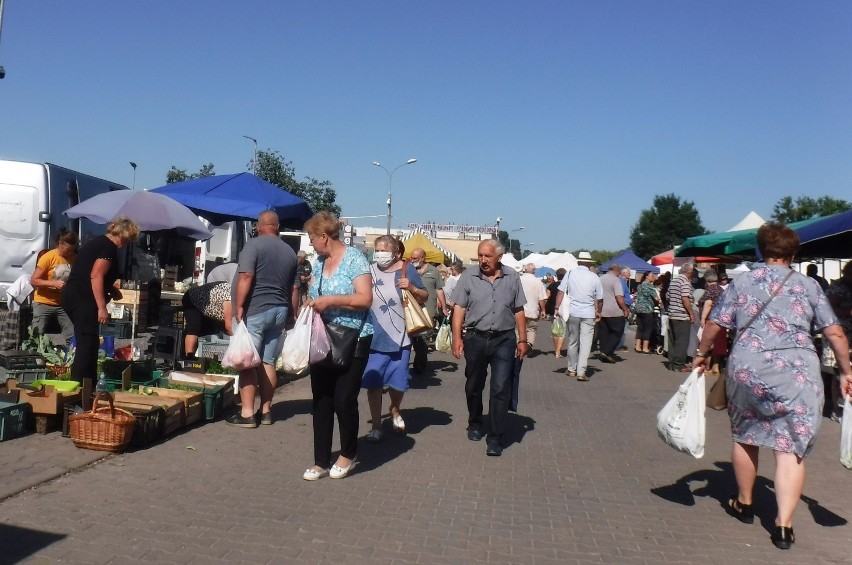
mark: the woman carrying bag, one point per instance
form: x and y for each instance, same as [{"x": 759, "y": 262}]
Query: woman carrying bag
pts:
[
  {"x": 341, "y": 291},
  {"x": 390, "y": 351},
  {"x": 774, "y": 387}
]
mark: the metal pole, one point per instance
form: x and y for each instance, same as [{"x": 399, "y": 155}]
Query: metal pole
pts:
[
  {"x": 390, "y": 187},
  {"x": 254, "y": 162}
]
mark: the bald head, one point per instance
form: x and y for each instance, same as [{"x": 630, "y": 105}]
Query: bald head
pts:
[
  {"x": 529, "y": 268},
  {"x": 267, "y": 223}
]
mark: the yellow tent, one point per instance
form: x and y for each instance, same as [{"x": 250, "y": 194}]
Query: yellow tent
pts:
[{"x": 433, "y": 253}]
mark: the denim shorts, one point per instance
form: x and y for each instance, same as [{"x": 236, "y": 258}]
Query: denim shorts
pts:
[
  {"x": 265, "y": 329},
  {"x": 387, "y": 369}
]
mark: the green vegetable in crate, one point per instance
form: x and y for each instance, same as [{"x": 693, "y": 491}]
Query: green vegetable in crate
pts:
[{"x": 39, "y": 342}]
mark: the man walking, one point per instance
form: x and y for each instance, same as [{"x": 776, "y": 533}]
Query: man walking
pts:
[
  {"x": 489, "y": 303},
  {"x": 614, "y": 314},
  {"x": 434, "y": 284},
  {"x": 262, "y": 293},
  {"x": 585, "y": 293},
  {"x": 681, "y": 317}
]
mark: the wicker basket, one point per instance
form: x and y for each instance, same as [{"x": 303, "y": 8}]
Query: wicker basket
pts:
[{"x": 102, "y": 429}]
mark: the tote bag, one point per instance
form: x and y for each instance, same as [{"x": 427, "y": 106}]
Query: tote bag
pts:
[{"x": 682, "y": 423}]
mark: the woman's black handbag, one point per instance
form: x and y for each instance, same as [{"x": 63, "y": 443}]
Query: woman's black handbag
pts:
[{"x": 344, "y": 342}]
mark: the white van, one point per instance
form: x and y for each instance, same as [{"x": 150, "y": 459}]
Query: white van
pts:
[{"x": 32, "y": 199}]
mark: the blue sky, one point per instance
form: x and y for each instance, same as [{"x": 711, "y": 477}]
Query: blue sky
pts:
[{"x": 564, "y": 117}]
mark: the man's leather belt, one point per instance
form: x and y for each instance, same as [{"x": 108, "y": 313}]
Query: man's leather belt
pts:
[{"x": 489, "y": 333}]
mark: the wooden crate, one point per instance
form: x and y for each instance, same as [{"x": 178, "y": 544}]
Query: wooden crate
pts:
[
  {"x": 175, "y": 413},
  {"x": 193, "y": 402}
]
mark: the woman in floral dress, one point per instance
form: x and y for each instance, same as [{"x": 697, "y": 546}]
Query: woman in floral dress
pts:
[{"x": 774, "y": 386}]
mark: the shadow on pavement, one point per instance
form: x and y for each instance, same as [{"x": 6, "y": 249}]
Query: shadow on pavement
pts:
[
  {"x": 517, "y": 427},
  {"x": 373, "y": 455},
  {"x": 721, "y": 485},
  {"x": 420, "y": 418},
  {"x": 429, "y": 377},
  {"x": 289, "y": 408},
  {"x": 20, "y": 543}
]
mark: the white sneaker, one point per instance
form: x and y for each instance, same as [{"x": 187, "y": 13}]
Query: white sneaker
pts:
[{"x": 313, "y": 475}]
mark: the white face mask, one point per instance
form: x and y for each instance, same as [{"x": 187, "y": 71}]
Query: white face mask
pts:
[
  {"x": 383, "y": 259},
  {"x": 416, "y": 264}
]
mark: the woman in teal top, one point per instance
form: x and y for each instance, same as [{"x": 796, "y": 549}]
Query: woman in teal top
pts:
[
  {"x": 646, "y": 299},
  {"x": 341, "y": 291}
]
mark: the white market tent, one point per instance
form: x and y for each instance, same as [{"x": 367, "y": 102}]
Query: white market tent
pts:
[{"x": 752, "y": 220}]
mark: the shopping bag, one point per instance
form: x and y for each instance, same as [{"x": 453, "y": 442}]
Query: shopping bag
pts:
[
  {"x": 444, "y": 339},
  {"x": 717, "y": 398},
  {"x": 557, "y": 328},
  {"x": 295, "y": 355},
  {"x": 682, "y": 423},
  {"x": 320, "y": 344},
  {"x": 846, "y": 435},
  {"x": 241, "y": 353},
  {"x": 417, "y": 319}
]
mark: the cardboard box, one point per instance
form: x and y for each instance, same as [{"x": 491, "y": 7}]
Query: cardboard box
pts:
[
  {"x": 193, "y": 402},
  {"x": 175, "y": 413},
  {"x": 46, "y": 400}
]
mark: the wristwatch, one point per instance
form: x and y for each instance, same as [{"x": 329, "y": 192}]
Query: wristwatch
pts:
[
  {"x": 698, "y": 353},
  {"x": 524, "y": 341}
]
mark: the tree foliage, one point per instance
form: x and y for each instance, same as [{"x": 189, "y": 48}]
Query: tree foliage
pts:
[
  {"x": 510, "y": 244},
  {"x": 274, "y": 168},
  {"x": 180, "y": 175},
  {"x": 667, "y": 223},
  {"x": 787, "y": 210}
]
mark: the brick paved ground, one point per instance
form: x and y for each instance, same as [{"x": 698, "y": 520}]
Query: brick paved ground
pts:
[{"x": 584, "y": 479}]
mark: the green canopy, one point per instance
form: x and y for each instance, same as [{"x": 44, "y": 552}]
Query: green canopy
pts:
[{"x": 729, "y": 243}]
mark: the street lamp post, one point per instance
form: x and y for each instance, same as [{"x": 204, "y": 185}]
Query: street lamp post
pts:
[
  {"x": 132, "y": 164},
  {"x": 522, "y": 228},
  {"x": 390, "y": 181},
  {"x": 254, "y": 162}
]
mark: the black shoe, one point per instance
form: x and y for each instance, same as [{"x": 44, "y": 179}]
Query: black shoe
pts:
[
  {"x": 266, "y": 419},
  {"x": 782, "y": 537},
  {"x": 493, "y": 449},
  {"x": 239, "y": 421},
  {"x": 742, "y": 512},
  {"x": 474, "y": 433},
  {"x": 605, "y": 358}
]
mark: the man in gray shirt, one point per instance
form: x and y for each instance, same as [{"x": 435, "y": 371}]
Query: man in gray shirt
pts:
[
  {"x": 614, "y": 314},
  {"x": 262, "y": 295},
  {"x": 489, "y": 304}
]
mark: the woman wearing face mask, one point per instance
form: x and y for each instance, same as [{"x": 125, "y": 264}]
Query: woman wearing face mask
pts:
[{"x": 390, "y": 349}]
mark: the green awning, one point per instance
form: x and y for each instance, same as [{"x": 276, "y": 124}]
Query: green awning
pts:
[{"x": 730, "y": 243}]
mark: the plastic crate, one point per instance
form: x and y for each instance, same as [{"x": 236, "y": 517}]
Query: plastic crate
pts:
[
  {"x": 117, "y": 328},
  {"x": 140, "y": 371},
  {"x": 24, "y": 376},
  {"x": 212, "y": 346},
  {"x": 149, "y": 426},
  {"x": 114, "y": 385},
  {"x": 213, "y": 396},
  {"x": 13, "y": 419}
]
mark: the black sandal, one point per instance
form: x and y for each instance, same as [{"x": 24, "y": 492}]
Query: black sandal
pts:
[
  {"x": 742, "y": 512},
  {"x": 782, "y": 537}
]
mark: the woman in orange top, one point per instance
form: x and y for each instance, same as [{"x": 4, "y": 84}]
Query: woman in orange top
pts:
[{"x": 52, "y": 270}]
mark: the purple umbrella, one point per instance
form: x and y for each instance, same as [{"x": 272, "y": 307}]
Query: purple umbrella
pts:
[{"x": 150, "y": 211}]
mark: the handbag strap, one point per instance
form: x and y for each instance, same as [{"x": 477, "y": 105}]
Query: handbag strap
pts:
[{"x": 763, "y": 307}]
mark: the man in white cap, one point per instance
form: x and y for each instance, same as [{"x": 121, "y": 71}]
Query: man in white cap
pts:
[{"x": 585, "y": 292}]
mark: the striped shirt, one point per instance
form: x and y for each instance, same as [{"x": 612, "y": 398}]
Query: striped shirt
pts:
[{"x": 679, "y": 289}]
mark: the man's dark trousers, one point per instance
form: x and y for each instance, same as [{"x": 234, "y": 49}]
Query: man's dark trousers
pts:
[
  {"x": 680, "y": 342},
  {"x": 498, "y": 352},
  {"x": 609, "y": 333}
]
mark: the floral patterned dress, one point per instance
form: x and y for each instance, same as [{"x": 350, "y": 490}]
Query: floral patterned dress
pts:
[{"x": 774, "y": 386}]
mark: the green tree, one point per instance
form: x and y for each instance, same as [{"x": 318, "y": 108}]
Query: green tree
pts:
[
  {"x": 180, "y": 175},
  {"x": 667, "y": 223},
  {"x": 508, "y": 243},
  {"x": 274, "y": 168},
  {"x": 787, "y": 210}
]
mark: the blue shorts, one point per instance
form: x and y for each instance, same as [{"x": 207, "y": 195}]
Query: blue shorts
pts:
[
  {"x": 265, "y": 329},
  {"x": 387, "y": 370}
]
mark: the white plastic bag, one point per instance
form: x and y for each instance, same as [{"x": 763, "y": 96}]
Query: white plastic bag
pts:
[
  {"x": 320, "y": 344},
  {"x": 295, "y": 355},
  {"x": 241, "y": 353},
  {"x": 444, "y": 339},
  {"x": 681, "y": 423},
  {"x": 846, "y": 435}
]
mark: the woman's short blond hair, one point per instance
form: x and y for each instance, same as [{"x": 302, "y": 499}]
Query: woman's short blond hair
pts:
[
  {"x": 124, "y": 228},
  {"x": 324, "y": 223}
]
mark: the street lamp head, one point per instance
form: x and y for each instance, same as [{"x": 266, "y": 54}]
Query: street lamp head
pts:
[
  {"x": 410, "y": 161},
  {"x": 376, "y": 163},
  {"x": 250, "y": 138}
]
